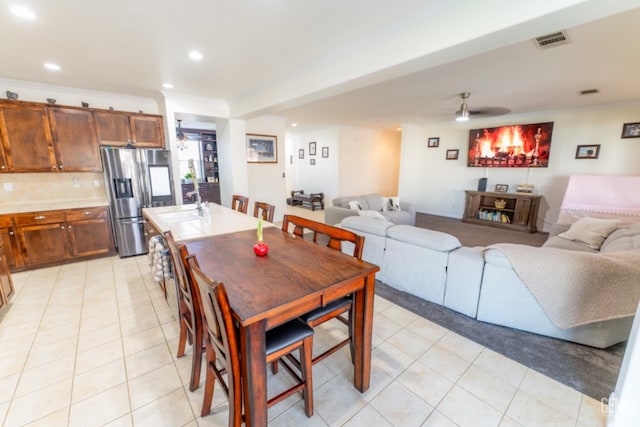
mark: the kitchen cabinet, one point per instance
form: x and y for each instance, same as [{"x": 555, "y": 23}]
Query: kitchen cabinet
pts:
[
  {"x": 519, "y": 211},
  {"x": 42, "y": 237},
  {"x": 119, "y": 129},
  {"x": 27, "y": 144},
  {"x": 90, "y": 232},
  {"x": 9, "y": 240},
  {"x": 52, "y": 237},
  {"x": 75, "y": 140},
  {"x": 6, "y": 285}
]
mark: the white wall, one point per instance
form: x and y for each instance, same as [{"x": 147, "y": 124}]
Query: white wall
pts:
[
  {"x": 360, "y": 161},
  {"x": 323, "y": 176},
  {"x": 266, "y": 182},
  {"x": 369, "y": 162},
  {"x": 437, "y": 185}
]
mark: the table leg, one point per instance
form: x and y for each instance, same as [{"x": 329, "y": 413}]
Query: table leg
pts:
[
  {"x": 362, "y": 330},
  {"x": 254, "y": 373}
]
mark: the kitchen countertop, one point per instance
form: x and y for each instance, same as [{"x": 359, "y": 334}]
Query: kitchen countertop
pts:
[
  {"x": 11, "y": 208},
  {"x": 185, "y": 223}
]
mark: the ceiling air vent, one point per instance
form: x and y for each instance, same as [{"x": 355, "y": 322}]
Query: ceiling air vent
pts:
[
  {"x": 588, "y": 91},
  {"x": 552, "y": 40}
]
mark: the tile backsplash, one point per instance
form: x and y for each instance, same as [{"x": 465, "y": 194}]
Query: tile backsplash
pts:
[{"x": 19, "y": 188}]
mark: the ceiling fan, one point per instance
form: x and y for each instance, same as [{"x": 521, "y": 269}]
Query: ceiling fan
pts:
[{"x": 463, "y": 114}]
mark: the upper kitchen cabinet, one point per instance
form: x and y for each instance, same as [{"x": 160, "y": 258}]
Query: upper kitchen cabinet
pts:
[
  {"x": 119, "y": 129},
  {"x": 75, "y": 140},
  {"x": 27, "y": 144}
]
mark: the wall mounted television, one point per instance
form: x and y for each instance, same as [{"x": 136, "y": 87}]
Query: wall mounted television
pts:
[{"x": 516, "y": 146}]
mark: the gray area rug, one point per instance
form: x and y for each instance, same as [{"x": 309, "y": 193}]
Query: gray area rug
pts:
[{"x": 591, "y": 371}]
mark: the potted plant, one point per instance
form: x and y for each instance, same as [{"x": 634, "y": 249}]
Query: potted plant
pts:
[{"x": 260, "y": 248}]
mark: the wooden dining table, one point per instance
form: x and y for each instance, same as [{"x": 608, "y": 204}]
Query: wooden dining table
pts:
[{"x": 295, "y": 277}]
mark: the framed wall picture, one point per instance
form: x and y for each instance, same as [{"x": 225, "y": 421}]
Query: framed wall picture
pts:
[
  {"x": 301, "y": 153},
  {"x": 510, "y": 146},
  {"x": 452, "y": 154},
  {"x": 433, "y": 142},
  {"x": 587, "y": 151},
  {"x": 502, "y": 188},
  {"x": 312, "y": 148},
  {"x": 631, "y": 130},
  {"x": 262, "y": 148},
  {"x": 325, "y": 152}
]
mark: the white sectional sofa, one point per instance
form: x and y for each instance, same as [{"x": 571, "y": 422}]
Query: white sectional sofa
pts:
[{"x": 482, "y": 283}]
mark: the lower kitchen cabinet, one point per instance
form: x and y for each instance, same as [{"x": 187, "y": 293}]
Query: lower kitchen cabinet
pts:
[
  {"x": 6, "y": 285},
  {"x": 52, "y": 237},
  {"x": 90, "y": 232}
]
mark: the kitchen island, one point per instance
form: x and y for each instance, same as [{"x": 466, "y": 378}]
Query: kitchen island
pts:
[{"x": 186, "y": 223}]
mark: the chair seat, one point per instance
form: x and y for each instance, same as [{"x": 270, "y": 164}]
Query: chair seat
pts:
[
  {"x": 285, "y": 335},
  {"x": 320, "y": 312}
]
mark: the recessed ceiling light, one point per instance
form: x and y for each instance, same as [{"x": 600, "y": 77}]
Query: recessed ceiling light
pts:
[
  {"x": 23, "y": 12},
  {"x": 52, "y": 66},
  {"x": 167, "y": 85},
  {"x": 294, "y": 124},
  {"x": 195, "y": 55}
]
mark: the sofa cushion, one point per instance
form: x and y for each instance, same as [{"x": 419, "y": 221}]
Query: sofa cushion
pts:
[
  {"x": 355, "y": 205},
  {"x": 366, "y": 225},
  {"x": 430, "y": 239},
  {"x": 373, "y": 201},
  {"x": 397, "y": 217},
  {"x": 390, "y": 203},
  {"x": 371, "y": 214},
  {"x": 590, "y": 231},
  {"x": 623, "y": 239}
]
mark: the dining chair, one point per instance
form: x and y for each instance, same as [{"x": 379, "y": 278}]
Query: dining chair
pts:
[
  {"x": 264, "y": 210},
  {"x": 335, "y": 237},
  {"x": 189, "y": 310},
  {"x": 222, "y": 346},
  {"x": 240, "y": 203}
]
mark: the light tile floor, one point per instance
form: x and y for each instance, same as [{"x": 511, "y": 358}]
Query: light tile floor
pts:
[{"x": 94, "y": 343}]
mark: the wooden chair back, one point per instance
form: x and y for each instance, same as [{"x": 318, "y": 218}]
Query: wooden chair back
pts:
[
  {"x": 335, "y": 235},
  {"x": 240, "y": 203},
  {"x": 264, "y": 210},
  {"x": 221, "y": 343},
  {"x": 189, "y": 309}
]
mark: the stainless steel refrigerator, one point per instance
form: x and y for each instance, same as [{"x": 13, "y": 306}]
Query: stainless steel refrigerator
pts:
[{"x": 135, "y": 179}]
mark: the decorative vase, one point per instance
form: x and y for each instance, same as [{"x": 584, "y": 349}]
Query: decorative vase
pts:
[{"x": 261, "y": 248}]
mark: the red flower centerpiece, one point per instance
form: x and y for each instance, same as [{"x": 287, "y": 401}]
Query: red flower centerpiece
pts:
[{"x": 260, "y": 248}]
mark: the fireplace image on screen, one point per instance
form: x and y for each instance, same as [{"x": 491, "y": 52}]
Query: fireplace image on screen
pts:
[{"x": 517, "y": 146}]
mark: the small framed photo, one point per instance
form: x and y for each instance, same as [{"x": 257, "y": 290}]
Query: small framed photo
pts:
[
  {"x": 631, "y": 130},
  {"x": 433, "y": 142},
  {"x": 325, "y": 152},
  {"x": 524, "y": 188},
  {"x": 301, "y": 153},
  {"x": 587, "y": 151},
  {"x": 262, "y": 148},
  {"x": 452, "y": 154},
  {"x": 312, "y": 161},
  {"x": 502, "y": 188},
  {"x": 312, "y": 148}
]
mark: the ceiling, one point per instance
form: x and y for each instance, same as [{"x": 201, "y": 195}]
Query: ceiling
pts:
[{"x": 367, "y": 63}]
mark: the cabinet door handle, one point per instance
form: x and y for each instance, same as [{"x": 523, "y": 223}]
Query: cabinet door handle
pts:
[
  {"x": 60, "y": 166},
  {"x": 2, "y": 167},
  {"x": 88, "y": 213},
  {"x": 62, "y": 227},
  {"x": 39, "y": 217},
  {"x": 11, "y": 233},
  {"x": 68, "y": 226}
]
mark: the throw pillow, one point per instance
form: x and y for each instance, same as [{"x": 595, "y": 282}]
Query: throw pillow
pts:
[
  {"x": 372, "y": 214},
  {"x": 390, "y": 204},
  {"x": 590, "y": 231},
  {"x": 354, "y": 204}
]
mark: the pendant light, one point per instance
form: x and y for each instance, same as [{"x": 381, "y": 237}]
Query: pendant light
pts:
[
  {"x": 462, "y": 115},
  {"x": 182, "y": 138}
]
